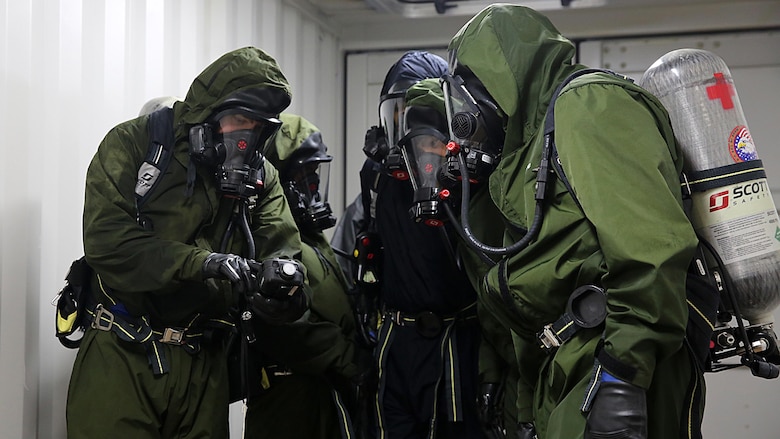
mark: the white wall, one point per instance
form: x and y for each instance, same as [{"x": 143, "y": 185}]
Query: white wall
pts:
[{"x": 69, "y": 71}]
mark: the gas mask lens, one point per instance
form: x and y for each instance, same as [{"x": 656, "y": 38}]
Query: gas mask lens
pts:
[
  {"x": 463, "y": 113},
  {"x": 310, "y": 178},
  {"x": 236, "y": 122},
  {"x": 424, "y": 150},
  {"x": 468, "y": 131},
  {"x": 307, "y": 194},
  {"x": 255, "y": 132},
  {"x": 237, "y": 144},
  {"x": 391, "y": 107}
]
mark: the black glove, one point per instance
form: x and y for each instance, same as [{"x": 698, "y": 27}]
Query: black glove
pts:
[
  {"x": 489, "y": 410},
  {"x": 365, "y": 385},
  {"x": 375, "y": 144},
  {"x": 619, "y": 409},
  {"x": 279, "y": 278},
  {"x": 367, "y": 318},
  {"x": 280, "y": 311},
  {"x": 231, "y": 267},
  {"x": 526, "y": 430}
]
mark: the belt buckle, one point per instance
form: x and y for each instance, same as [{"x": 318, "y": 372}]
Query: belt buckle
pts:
[
  {"x": 278, "y": 370},
  {"x": 548, "y": 337},
  {"x": 173, "y": 336},
  {"x": 97, "y": 322},
  {"x": 428, "y": 324}
]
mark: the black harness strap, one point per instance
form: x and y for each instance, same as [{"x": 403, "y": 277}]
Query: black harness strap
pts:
[
  {"x": 700, "y": 181},
  {"x": 158, "y": 157},
  {"x": 72, "y": 300},
  {"x": 138, "y": 330}
]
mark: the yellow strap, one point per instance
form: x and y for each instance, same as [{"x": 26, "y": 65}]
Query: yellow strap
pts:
[
  {"x": 65, "y": 324},
  {"x": 264, "y": 381}
]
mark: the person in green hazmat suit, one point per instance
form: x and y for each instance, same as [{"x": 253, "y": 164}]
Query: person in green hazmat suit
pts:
[
  {"x": 168, "y": 271},
  {"x": 306, "y": 367},
  {"x": 619, "y": 251}
]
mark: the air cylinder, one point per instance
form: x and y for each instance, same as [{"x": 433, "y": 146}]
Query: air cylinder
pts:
[{"x": 732, "y": 207}]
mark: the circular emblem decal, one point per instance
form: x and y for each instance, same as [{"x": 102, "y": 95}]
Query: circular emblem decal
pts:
[
  {"x": 242, "y": 144},
  {"x": 741, "y": 145}
]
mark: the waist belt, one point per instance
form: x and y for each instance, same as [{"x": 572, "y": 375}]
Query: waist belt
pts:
[
  {"x": 586, "y": 308},
  {"x": 138, "y": 330},
  {"x": 427, "y": 323},
  {"x": 448, "y": 388}
]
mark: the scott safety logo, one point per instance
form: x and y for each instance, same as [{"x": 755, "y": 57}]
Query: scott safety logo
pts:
[
  {"x": 743, "y": 193},
  {"x": 147, "y": 175},
  {"x": 719, "y": 201}
]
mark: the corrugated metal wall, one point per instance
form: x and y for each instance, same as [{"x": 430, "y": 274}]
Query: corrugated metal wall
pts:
[{"x": 69, "y": 71}]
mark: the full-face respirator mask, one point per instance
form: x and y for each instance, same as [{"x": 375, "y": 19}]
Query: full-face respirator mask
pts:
[
  {"x": 231, "y": 143},
  {"x": 476, "y": 128},
  {"x": 306, "y": 176},
  {"x": 424, "y": 150}
]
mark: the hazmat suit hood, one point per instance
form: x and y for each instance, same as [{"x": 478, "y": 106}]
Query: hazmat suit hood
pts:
[
  {"x": 300, "y": 155},
  {"x": 248, "y": 69},
  {"x": 520, "y": 58},
  {"x": 246, "y": 80},
  {"x": 413, "y": 66},
  {"x": 426, "y": 93},
  {"x": 294, "y": 132}
]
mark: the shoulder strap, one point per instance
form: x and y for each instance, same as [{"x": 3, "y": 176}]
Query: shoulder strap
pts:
[
  {"x": 549, "y": 120},
  {"x": 370, "y": 177},
  {"x": 158, "y": 156}
]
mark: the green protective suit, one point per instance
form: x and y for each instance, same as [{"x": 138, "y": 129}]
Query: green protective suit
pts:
[
  {"x": 496, "y": 359},
  {"x": 308, "y": 364},
  {"x": 156, "y": 274},
  {"x": 631, "y": 237}
]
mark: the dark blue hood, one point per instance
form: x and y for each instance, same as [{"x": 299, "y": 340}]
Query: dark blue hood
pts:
[{"x": 414, "y": 66}]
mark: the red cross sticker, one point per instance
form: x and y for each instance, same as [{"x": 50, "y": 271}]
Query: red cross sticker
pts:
[{"x": 721, "y": 90}]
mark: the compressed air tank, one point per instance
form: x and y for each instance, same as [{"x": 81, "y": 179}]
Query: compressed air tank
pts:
[{"x": 732, "y": 204}]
